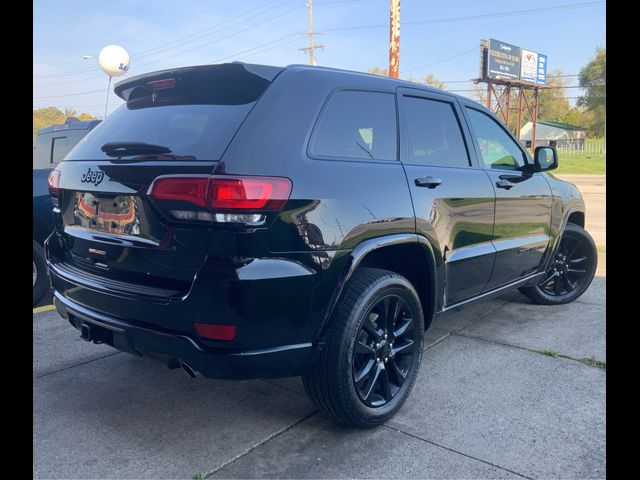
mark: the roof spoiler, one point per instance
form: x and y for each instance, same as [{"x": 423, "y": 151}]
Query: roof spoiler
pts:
[{"x": 126, "y": 87}]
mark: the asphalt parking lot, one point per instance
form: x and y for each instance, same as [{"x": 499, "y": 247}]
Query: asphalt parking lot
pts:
[{"x": 507, "y": 389}]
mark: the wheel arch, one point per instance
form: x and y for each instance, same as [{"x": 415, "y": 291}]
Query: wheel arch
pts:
[
  {"x": 398, "y": 254},
  {"x": 576, "y": 217},
  {"x": 574, "y": 214}
]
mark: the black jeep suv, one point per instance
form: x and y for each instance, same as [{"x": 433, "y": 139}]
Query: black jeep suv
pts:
[{"x": 244, "y": 221}]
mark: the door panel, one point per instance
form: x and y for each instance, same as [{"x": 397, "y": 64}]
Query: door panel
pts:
[
  {"x": 459, "y": 216},
  {"x": 453, "y": 199},
  {"x": 521, "y": 229},
  {"x": 523, "y": 201}
]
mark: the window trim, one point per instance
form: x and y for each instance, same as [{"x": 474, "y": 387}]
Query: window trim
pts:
[
  {"x": 52, "y": 150},
  {"x": 423, "y": 95},
  {"x": 474, "y": 139},
  {"x": 322, "y": 112}
]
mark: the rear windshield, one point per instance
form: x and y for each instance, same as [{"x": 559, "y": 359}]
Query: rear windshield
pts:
[
  {"x": 191, "y": 132},
  {"x": 180, "y": 115}
]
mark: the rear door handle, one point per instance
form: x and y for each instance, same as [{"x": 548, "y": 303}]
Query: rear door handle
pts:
[
  {"x": 506, "y": 184},
  {"x": 429, "y": 182}
]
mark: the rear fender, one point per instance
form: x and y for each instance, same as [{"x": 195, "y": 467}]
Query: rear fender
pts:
[{"x": 433, "y": 269}]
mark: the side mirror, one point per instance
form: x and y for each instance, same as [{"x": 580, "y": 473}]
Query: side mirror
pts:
[{"x": 545, "y": 158}]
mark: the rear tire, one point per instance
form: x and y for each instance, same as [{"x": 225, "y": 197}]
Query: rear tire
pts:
[
  {"x": 361, "y": 378},
  {"x": 40, "y": 274},
  {"x": 570, "y": 272}
]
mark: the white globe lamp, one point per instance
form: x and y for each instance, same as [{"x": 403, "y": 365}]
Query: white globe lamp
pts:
[{"x": 114, "y": 61}]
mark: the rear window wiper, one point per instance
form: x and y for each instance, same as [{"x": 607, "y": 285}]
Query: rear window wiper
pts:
[{"x": 125, "y": 149}]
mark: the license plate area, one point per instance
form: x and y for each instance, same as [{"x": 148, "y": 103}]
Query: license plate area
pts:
[{"x": 117, "y": 214}]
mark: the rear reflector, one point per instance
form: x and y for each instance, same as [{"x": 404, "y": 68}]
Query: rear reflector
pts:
[
  {"x": 54, "y": 182},
  {"x": 213, "y": 331}
]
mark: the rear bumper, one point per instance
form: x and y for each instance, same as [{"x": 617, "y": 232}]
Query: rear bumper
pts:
[
  {"x": 273, "y": 362},
  {"x": 276, "y": 305}
]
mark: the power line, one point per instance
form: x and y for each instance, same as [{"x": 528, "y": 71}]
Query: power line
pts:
[
  {"x": 545, "y": 88},
  {"x": 70, "y": 94},
  {"x": 145, "y": 53},
  {"x": 296, "y": 35},
  {"x": 199, "y": 46},
  {"x": 222, "y": 38},
  {"x": 441, "y": 61},
  {"x": 337, "y": 2},
  {"x": 181, "y": 42},
  {"x": 421, "y": 22},
  {"x": 254, "y": 50},
  {"x": 477, "y": 17},
  {"x": 177, "y": 43},
  {"x": 548, "y": 76}
]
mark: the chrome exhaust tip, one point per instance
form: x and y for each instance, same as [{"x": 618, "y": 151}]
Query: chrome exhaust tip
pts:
[{"x": 188, "y": 370}]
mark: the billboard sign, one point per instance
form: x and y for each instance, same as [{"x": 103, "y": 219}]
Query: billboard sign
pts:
[
  {"x": 542, "y": 69},
  {"x": 509, "y": 62},
  {"x": 529, "y": 66},
  {"x": 504, "y": 60}
]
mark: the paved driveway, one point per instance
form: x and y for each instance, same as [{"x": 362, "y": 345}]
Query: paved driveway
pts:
[
  {"x": 594, "y": 192},
  {"x": 488, "y": 404}
]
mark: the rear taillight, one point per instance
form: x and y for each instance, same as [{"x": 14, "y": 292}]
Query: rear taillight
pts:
[
  {"x": 236, "y": 199},
  {"x": 185, "y": 189},
  {"x": 54, "y": 183},
  {"x": 249, "y": 193}
]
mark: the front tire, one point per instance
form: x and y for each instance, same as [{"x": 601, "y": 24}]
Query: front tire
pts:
[
  {"x": 370, "y": 362},
  {"x": 571, "y": 270},
  {"x": 40, "y": 275}
]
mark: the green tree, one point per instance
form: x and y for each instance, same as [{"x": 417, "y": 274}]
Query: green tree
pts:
[
  {"x": 46, "y": 116},
  {"x": 552, "y": 102},
  {"x": 429, "y": 79},
  {"x": 579, "y": 116},
  {"x": 432, "y": 81},
  {"x": 593, "y": 78},
  {"x": 379, "y": 71},
  {"x": 43, "y": 117}
]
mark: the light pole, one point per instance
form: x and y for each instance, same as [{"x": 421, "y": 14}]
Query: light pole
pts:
[{"x": 106, "y": 103}]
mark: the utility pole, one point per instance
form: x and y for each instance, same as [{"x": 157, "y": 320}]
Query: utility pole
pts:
[
  {"x": 311, "y": 47},
  {"x": 394, "y": 39}
]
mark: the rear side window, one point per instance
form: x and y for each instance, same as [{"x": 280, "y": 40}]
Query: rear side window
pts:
[
  {"x": 433, "y": 133},
  {"x": 360, "y": 125},
  {"x": 60, "y": 146}
]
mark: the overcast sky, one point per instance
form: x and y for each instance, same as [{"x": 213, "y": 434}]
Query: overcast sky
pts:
[{"x": 437, "y": 37}]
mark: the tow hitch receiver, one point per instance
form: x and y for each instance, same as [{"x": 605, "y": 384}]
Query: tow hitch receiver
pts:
[
  {"x": 85, "y": 332},
  {"x": 95, "y": 334}
]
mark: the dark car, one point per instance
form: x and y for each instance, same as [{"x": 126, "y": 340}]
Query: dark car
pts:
[
  {"x": 246, "y": 221},
  {"x": 51, "y": 145}
]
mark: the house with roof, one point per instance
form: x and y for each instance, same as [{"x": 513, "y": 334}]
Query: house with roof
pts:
[{"x": 554, "y": 134}]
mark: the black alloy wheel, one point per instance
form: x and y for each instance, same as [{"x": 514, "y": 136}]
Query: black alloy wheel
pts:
[
  {"x": 372, "y": 354},
  {"x": 383, "y": 351},
  {"x": 568, "y": 268},
  {"x": 570, "y": 272}
]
